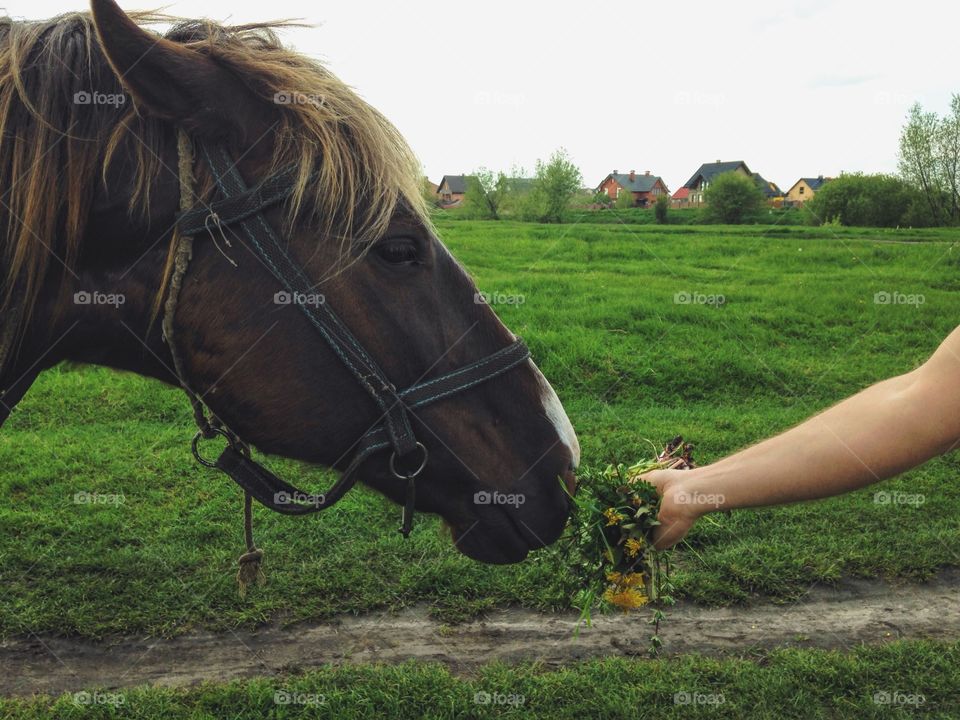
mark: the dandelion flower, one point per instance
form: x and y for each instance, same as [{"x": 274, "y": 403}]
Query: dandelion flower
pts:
[
  {"x": 634, "y": 547},
  {"x": 613, "y": 517},
  {"x": 625, "y": 598}
]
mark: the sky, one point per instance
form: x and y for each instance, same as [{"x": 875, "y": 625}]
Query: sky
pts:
[{"x": 794, "y": 89}]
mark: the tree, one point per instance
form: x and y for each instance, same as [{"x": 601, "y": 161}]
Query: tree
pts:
[
  {"x": 625, "y": 200},
  {"x": 661, "y": 208},
  {"x": 557, "y": 181},
  {"x": 930, "y": 159},
  {"x": 601, "y": 198},
  {"x": 731, "y": 197},
  {"x": 485, "y": 195},
  {"x": 871, "y": 201}
]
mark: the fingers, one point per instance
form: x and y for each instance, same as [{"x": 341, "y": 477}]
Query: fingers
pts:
[
  {"x": 657, "y": 478},
  {"x": 675, "y": 521},
  {"x": 670, "y": 532}
]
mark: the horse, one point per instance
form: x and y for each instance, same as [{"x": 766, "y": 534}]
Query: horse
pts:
[{"x": 116, "y": 141}]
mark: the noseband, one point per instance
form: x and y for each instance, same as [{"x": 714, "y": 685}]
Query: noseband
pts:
[{"x": 241, "y": 208}]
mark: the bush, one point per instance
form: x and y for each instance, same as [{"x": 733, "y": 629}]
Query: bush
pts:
[
  {"x": 557, "y": 182},
  {"x": 731, "y": 198},
  {"x": 871, "y": 201},
  {"x": 661, "y": 209}
]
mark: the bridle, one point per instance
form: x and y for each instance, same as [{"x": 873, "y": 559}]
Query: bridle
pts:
[{"x": 241, "y": 208}]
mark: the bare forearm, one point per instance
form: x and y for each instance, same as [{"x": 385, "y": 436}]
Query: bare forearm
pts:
[{"x": 884, "y": 430}]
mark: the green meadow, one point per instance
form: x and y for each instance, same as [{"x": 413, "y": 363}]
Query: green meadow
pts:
[
  {"x": 724, "y": 335},
  {"x": 896, "y": 681}
]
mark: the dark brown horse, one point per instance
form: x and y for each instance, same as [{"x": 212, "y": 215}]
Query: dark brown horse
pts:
[{"x": 90, "y": 106}]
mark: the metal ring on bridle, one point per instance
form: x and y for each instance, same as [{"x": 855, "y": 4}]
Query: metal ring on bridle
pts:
[
  {"x": 408, "y": 476},
  {"x": 195, "y": 445}
]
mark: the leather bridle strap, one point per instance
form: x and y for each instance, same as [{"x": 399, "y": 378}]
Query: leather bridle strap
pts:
[
  {"x": 264, "y": 242},
  {"x": 288, "y": 499},
  {"x": 242, "y": 207}
]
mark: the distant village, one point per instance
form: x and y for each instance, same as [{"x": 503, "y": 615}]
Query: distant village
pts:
[{"x": 646, "y": 187}]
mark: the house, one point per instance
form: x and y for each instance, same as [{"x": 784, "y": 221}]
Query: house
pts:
[
  {"x": 708, "y": 172},
  {"x": 681, "y": 198},
  {"x": 804, "y": 189},
  {"x": 771, "y": 191},
  {"x": 645, "y": 188},
  {"x": 452, "y": 190}
]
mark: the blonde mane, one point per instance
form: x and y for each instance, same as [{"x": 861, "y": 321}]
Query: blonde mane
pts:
[{"x": 54, "y": 150}]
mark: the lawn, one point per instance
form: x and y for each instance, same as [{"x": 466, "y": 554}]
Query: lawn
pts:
[
  {"x": 780, "y": 322},
  {"x": 895, "y": 681}
]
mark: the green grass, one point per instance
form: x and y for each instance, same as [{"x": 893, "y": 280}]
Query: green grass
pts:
[
  {"x": 798, "y": 331},
  {"x": 920, "y": 679}
]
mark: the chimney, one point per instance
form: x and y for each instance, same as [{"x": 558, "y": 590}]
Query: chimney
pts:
[
  {"x": 633, "y": 175},
  {"x": 646, "y": 172}
]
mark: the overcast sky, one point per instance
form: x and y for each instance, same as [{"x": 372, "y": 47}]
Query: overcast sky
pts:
[{"x": 792, "y": 88}]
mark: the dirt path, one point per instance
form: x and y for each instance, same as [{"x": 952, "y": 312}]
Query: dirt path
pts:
[{"x": 843, "y": 616}]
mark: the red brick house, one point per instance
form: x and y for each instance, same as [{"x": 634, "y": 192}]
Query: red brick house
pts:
[
  {"x": 452, "y": 190},
  {"x": 645, "y": 188}
]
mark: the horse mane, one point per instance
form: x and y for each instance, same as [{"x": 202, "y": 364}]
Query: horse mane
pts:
[{"x": 54, "y": 151}]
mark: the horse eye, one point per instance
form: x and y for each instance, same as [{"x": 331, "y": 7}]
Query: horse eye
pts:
[{"x": 398, "y": 251}]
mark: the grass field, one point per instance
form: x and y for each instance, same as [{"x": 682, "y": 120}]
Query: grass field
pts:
[
  {"x": 798, "y": 329},
  {"x": 895, "y": 681}
]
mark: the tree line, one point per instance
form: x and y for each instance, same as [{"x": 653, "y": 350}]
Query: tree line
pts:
[{"x": 924, "y": 193}]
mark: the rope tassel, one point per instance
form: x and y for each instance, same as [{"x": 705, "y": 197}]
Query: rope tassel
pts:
[{"x": 251, "y": 562}]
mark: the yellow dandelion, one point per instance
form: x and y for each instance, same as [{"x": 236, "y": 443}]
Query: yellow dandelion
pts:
[
  {"x": 632, "y": 580},
  {"x": 613, "y": 517},
  {"x": 614, "y": 577},
  {"x": 634, "y": 547},
  {"x": 625, "y": 598}
]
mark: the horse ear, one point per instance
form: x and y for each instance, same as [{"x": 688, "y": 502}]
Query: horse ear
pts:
[{"x": 169, "y": 80}]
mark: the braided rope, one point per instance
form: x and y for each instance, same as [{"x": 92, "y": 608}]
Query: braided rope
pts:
[{"x": 251, "y": 561}]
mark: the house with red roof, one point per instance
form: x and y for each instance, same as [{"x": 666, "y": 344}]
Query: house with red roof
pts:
[{"x": 645, "y": 188}]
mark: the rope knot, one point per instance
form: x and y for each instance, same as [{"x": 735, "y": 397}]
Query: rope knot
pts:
[{"x": 251, "y": 570}]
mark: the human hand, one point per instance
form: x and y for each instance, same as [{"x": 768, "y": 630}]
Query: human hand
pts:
[{"x": 677, "y": 513}]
